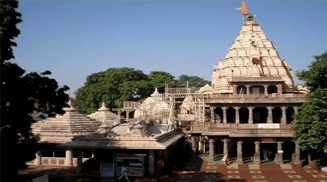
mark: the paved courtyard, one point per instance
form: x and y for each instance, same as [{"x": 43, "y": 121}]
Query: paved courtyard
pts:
[{"x": 194, "y": 170}]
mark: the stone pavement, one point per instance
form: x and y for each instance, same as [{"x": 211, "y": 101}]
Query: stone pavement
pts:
[{"x": 194, "y": 170}]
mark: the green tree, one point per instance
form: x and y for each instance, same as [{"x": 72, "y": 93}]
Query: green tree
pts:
[
  {"x": 310, "y": 124},
  {"x": 193, "y": 81},
  {"x": 113, "y": 87},
  {"x": 160, "y": 78},
  {"x": 21, "y": 95}
]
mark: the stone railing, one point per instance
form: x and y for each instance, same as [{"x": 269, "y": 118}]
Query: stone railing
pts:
[
  {"x": 131, "y": 105},
  {"x": 262, "y": 128},
  {"x": 245, "y": 96},
  {"x": 60, "y": 161},
  {"x": 257, "y": 79},
  {"x": 253, "y": 97},
  {"x": 181, "y": 90}
]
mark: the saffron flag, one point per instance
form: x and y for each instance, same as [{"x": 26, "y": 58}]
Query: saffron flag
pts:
[{"x": 244, "y": 9}]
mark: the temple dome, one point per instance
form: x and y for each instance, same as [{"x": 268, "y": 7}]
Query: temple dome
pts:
[{"x": 252, "y": 54}]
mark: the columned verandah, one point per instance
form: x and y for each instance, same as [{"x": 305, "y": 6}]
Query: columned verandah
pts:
[
  {"x": 253, "y": 150},
  {"x": 253, "y": 114}
]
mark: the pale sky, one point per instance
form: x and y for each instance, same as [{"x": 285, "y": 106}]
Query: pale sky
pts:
[{"x": 74, "y": 39}]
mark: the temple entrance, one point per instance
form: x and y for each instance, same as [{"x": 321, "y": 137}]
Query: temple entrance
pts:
[
  {"x": 268, "y": 152},
  {"x": 288, "y": 150},
  {"x": 248, "y": 151}
]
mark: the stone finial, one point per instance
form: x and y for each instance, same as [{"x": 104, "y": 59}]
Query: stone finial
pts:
[
  {"x": 155, "y": 93},
  {"x": 138, "y": 130},
  {"x": 103, "y": 107},
  {"x": 104, "y": 129}
]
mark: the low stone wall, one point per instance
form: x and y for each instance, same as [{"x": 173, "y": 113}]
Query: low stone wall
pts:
[{"x": 60, "y": 161}]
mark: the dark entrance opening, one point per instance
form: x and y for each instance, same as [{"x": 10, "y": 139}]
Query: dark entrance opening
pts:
[
  {"x": 288, "y": 150},
  {"x": 272, "y": 89},
  {"x": 260, "y": 115},
  {"x": 218, "y": 115},
  {"x": 289, "y": 114},
  {"x": 268, "y": 152},
  {"x": 277, "y": 115},
  {"x": 230, "y": 115},
  {"x": 244, "y": 115},
  {"x": 248, "y": 151},
  {"x": 241, "y": 90}
]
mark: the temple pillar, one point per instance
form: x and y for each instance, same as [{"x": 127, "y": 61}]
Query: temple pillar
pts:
[
  {"x": 256, "y": 159},
  {"x": 279, "y": 89},
  {"x": 296, "y": 109},
  {"x": 79, "y": 161},
  {"x": 237, "y": 115},
  {"x": 151, "y": 162},
  {"x": 239, "y": 152},
  {"x": 204, "y": 145},
  {"x": 69, "y": 157},
  {"x": 279, "y": 155},
  {"x": 250, "y": 115},
  {"x": 224, "y": 114},
  {"x": 119, "y": 112},
  {"x": 270, "y": 114},
  {"x": 225, "y": 146},
  {"x": 212, "y": 111},
  {"x": 193, "y": 140},
  {"x": 127, "y": 115},
  {"x": 235, "y": 89},
  {"x": 266, "y": 89},
  {"x": 212, "y": 149},
  {"x": 38, "y": 159},
  {"x": 283, "y": 120},
  {"x": 296, "y": 155},
  {"x": 247, "y": 89}
]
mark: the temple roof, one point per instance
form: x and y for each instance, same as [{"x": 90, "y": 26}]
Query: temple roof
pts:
[
  {"x": 252, "y": 54},
  {"x": 105, "y": 115},
  {"x": 62, "y": 128}
]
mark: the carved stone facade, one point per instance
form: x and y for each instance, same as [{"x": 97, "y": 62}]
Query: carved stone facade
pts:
[{"x": 251, "y": 102}]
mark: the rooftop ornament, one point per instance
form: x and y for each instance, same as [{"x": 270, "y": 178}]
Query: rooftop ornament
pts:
[
  {"x": 155, "y": 93},
  {"x": 103, "y": 107},
  {"x": 245, "y": 12}
]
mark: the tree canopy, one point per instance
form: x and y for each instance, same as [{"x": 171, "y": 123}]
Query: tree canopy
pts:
[
  {"x": 116, "y": 85},
  {"x": 193, "y": 81},
  {"x": 21, "y": 95},
  {"x": 310, "y": 124}
]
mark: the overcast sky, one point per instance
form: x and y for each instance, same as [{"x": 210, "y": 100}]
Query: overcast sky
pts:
[{"x": 74, "y": 39}]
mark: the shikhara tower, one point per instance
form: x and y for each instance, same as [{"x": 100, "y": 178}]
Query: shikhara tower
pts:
[
  {"x": 250, "y": 102},
  {"x": 252, "y": 55}
]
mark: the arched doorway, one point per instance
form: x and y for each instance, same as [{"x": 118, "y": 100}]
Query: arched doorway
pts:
[
  {"x": 241, "y": 89},
  {"x": 257, "y": 90},
  {"x": 218, "y": 115},
  {"x": 244, "y": 115},
  {"x": 231, "y": 115},
  {"x": 289, "y": 114},
  {"x": 272, "y": 89},
  {"x": 260, "y": 115},
  {"x": 277, "y": 115}
]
